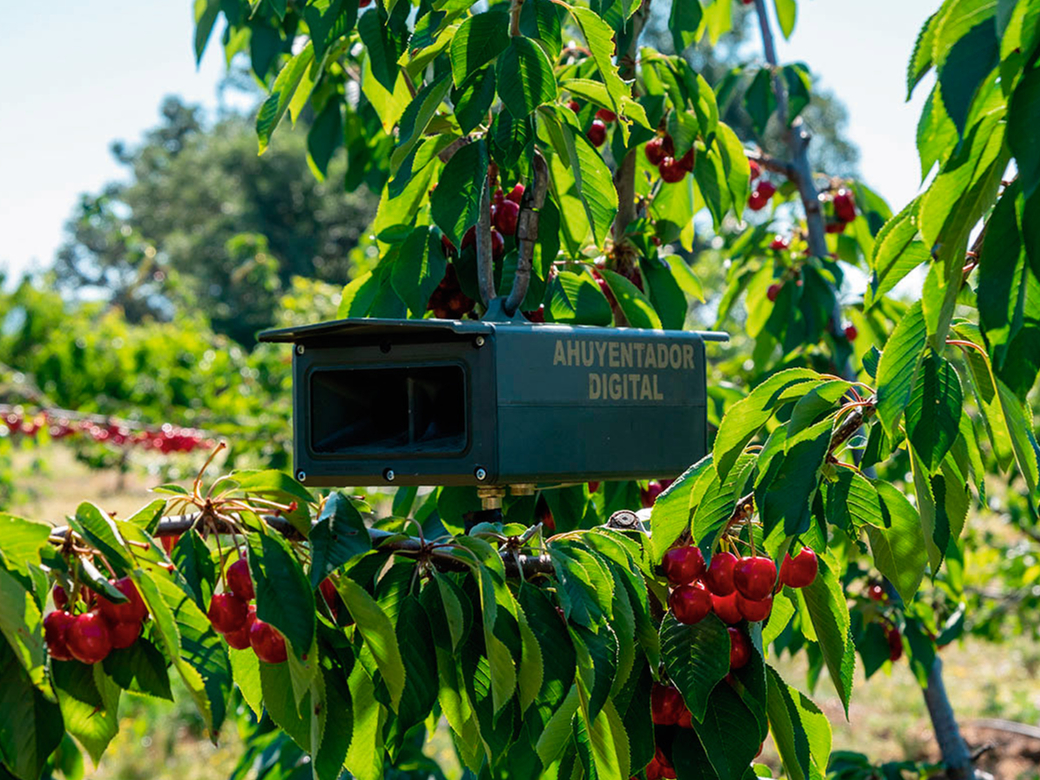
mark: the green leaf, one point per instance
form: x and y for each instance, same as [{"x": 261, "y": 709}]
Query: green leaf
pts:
[
  {"x": 594, "y": 182},
  {"x": 745, "y": 418},
  {"x": 600, "y": 39},
  {"x": 785, "y": 491},
  {"x": 540, "y": 20},
  {"x": 898, "y": 545},
  {"x": 525, "y": 77},
  {"x": 799, "y": 89},
  {"x": 282, "y": 92},
  {"x": 30, "y": 724},
  {"x": 478, "y": 40},
  {"x": 934, "y": 410},
  {"x": 338, "y": 536},
  {"x": 379, "y": 635},
  {"x": 420, "y": 663},
  {"x": 852, "y": 501},
  {"x": 801, "y": 732},
  {"x": 89, "y": 704},
  {"x": 22, "y": 627},
  {"x": 21, "y": 542},
  {"x": 455, "y": 204},
  {"x": 670, "y": 515},
  {"x": 473, "y": 98},
  {"x": 100, "y": 530},
  {"x": 1020, "y": 425},
  {"x": 382, "y": 49},
  {"x": 921, "y": 59},
  {"x": 576, "y": 299},
  {"x": 280, "y": 704},
  {"x": 148, "y": 516},
  {"x": 283, "y": 594},
  {"x": 898, "y": 367},
  {"x": 786, "y": 15},
  {"x": 759, "y": 100},
  {"x": 417, "y": 116},
  {"x": 684, "y": 21},
  {"x": 328, "y": 21},
  {"x": 205, "y": 12},
  {"x": 419, "y": 269},
  {"x": 194, "y": 562},
  {"x": 727, "y": 733},
  {"x": 696, "y": 657},
  {"x": 1023, "y": 116},
  {"x": 245, "y": 670},
  {"x": 829, "y": 613},
  {"x": 896, "y": 253},
  {"x": 140, "y": 668},
  {"x": 970, "y": 62},
  {"x": 634, "y": 304},
  {"x": 936, "y": 133}
]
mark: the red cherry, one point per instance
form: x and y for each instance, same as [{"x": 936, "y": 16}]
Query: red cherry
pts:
[
  {"x": 132, "y": 611},
  {"x": 800, "y": 571},
  {"x": 516, "y": 194},
  {"x": 267, "y": 643},
  {"x": 774, "y": 291},
  {"x": 653, "y": 770},
  {"x": 779, "y": 243},
  {"x": 719, "y": 576},
  {"x": 844, "y": 206},
  {"x": 683, "y": 565},
  {"x": 88, "y": 638},
  {"x": 469, "y": 238},
  {"x": 240, "y": 581},
  {"x": 55, "y": 633},
  {"x": 61, "y": 598},
  {"x": 597, "y": 132},
  {"x": 328, "y": 591},
  {"x": 761, "y": 195},
  {"x": 446, "y": 246},
  {"x": 756, "y": 169},
  {"x": 227, "y": 613},
  {"x": 497, "y": 197},
  {"x": 573, "y": 106},
  {"x": 690, "y": 603},
  {"x": 726, "y": 608},
  {"x": 606, "y": 115},
  {"x": 687, "y": 160},
  {"x": 739, "y": 649},
  {"x": 877, "y": 593},
  {"x": 754, "y": 610},
  {"x": 671, "y": 170},
  {"x": 507, "y": 216},
  {"x": 755, "y": 577},
  {"x": 834, "y": 227},
  {"x": 667, "y": 770},
  {"x": 124, "y": 634},
  {"x": 666, "y": 704},
  {"x": 851, "y": 332},
  {"x": 685, "y": 720},
  {"x": 655, "y": 150},
  {"x": 498, "y": 245},
  {"x": 240, "y": 639},
  {"x": 895, "y": 643},
  {"x": 653, "y": 487},
  {"x": 364, "y": 3}
]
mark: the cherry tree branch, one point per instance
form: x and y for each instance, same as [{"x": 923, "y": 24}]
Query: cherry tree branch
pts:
[
  {"x": 797, "y": 137},
  {"x": 485, "y": 255},
  {"x": 527, "y": 231}
]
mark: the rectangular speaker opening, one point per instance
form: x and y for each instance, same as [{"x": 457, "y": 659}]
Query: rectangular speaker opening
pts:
[{"x": 389, "y": 411}]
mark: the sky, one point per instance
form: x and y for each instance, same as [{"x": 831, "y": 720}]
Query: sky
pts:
[{"x": 83, "y": 73}]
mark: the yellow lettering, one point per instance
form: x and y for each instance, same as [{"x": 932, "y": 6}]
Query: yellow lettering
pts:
[
  {"x": 639, "y": 347},
  {"x": 559, "y": 357},
  {"x": 573, "y": 353},
  {"x": 626, "y": 355},
  {"x": 587, "y": 353},
  {"x": 601, "y": 349},
  {"x": 615, "y": 387},
  {"x": 595, "y": 387},
  {"x": 662, "y": 356},
  {"x": 646, "y": 392},
  {"x": 657, "y": 393},
  {"x": 650, "y": 359},
  {"x": 675, "y": 356},
  {"x": 687, "y": 352},
  {"x": 613, "y": 359}
]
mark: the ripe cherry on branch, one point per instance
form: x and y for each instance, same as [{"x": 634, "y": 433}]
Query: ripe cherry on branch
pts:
[
  {"x": 719, "y": 576},
  {"x": 761, "y": 195},
  {"x": 267, "y": 643},
  {"x": 754, "y": 610},
  {"x": 739, "y": 649},
  {"x": 666, "y": 704},
  {"x": 133, "y": 610},
  {"x": 597, "y": 132},
  {"x": 690, "y": 603},
  {"x": 844, "y": 206},
  {"x": 774, "y": 291},
  {"x": 240, "y": 581},
  {"x": 227, "y": 613},
  {"x": 683, "y": 565},
  {"x": 606, "y": 115},
  {"x": 755, "y": 577},
  {"x": 726, "y": 608},
  {"x": 88, "y": 638},
  {"x": 800, "y": 571},
  {"x": 55, "y": 633}
]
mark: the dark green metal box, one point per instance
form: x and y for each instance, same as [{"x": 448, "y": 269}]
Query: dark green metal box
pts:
[{"x": 446, "y": 402}]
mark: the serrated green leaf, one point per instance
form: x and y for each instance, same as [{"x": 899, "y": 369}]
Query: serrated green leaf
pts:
[
  {"x": 576, "y": 299},
  {"x": 338, "y": 536},
  {"x": 479, "y": 39},
  {"x": 933, "y": 410},
  {"x": 525, "y": 77},
  {"x": 898, "y": 544},
  {"x": 140, "y": 668},
  {"x": 283, "y": 594},
  {"x": 829, "y": 613},
  {"x": 455, "y": 204},
  {"x": 21, "y": 541},
  {"x": 379, "y": 635},
  {"x": 282, "y": 92},
  {"x": 696, "y": 657},
  {"x": 898, "y": 367},
  {"x": 30, "y": 725}
]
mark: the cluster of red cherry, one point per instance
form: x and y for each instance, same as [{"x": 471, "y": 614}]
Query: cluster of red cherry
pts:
[
  {"x": 102, "y": 627},
  {"x": 660, "y": 151},
  {"x": 733, "y": 588},
  {"x": 844, "y": 207},
  {"x": 448, "y": 301},
  {"x": 166, "y": 439},
  {"x": 892, "y": 634},
  {"x": 233, "y": 616},
  {"x": 763, "y": 191}
]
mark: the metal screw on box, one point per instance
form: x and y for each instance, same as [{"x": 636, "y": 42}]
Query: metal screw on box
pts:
[
  {"x": 491, "y": 497},
  {"x": 389, "y": 475},
  {"x": 301, "y": 476}
]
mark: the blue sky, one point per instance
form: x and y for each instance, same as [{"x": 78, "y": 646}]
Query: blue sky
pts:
[{"x": 81, "y": 74}]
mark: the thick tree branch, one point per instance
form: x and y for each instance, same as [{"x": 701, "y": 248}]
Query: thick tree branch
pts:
[
  {"x": 485, "y": 254},
  {"x": 527, "y": 231},
  {"x": 797, "y": 137}
]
